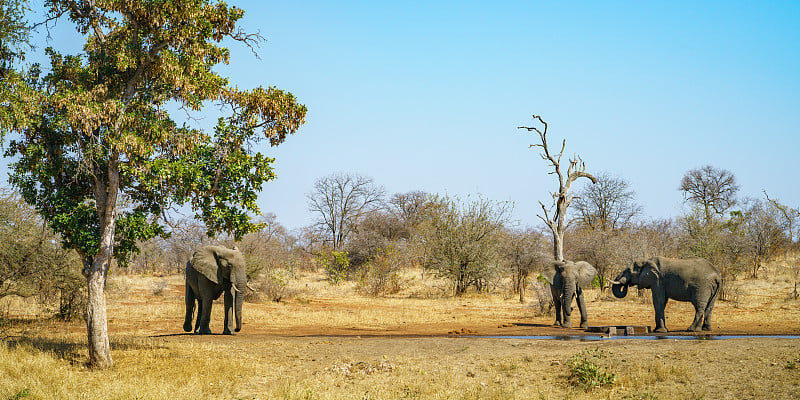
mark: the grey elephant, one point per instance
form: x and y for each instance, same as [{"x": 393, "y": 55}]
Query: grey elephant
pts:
[
  {"x": 212, "y": 271},
  {"x": 694, "y": 280},
  {"x": 567, "y": 280}
]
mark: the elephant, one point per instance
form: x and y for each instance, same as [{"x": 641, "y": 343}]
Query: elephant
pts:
[
  {"x": 694, "y": 280},
  {"x": 567, "y": 280},
  {"x": 212, "y": 271}
]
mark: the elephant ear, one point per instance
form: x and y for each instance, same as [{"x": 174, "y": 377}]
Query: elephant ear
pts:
[
  {"x": 549, "y": 272},
  {"x": 204, "y": 261},
  {"x": 585, "y": 272},
  {"x": 649, "y": 274}
]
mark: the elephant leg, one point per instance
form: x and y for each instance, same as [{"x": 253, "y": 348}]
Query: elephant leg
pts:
[
  {"x": 205, "y": 289},
  {"x": 229, "y": 317},
  {"x": 556, "y": 304},
  {"x": 199, "y": 313},
  {"x": 582, "y": 308},
  {"x": 699, "y": 310},
  {"x": 204, "y": 316},
  {"x": 659, "y": 304},
  {"x": 708, "y": 310},
  {"x": 191, "y": 299}
]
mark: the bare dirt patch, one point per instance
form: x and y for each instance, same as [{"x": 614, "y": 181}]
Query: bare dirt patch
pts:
[{"x": 331, "y": 343}]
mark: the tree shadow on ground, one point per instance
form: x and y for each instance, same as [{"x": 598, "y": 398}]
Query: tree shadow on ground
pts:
[{"x": 72, "y": 350}]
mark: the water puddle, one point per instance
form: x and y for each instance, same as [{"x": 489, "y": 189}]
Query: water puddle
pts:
[{"x": 590, "y": 338}]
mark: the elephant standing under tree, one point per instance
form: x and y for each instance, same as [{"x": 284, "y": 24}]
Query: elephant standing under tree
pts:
[
  {"x": 694, "y": 280},
  {"x": 212, "y": 271},
  {"x": 567, "y": 280}
]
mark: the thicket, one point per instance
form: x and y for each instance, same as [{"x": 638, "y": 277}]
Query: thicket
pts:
[
  {"x": 473, "y": 245},
  {"x": 34, "y": 265}
]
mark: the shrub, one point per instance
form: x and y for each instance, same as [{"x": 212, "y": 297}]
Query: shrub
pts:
[
  {"x": 462, "y": 238},
  {"x": 544, "y": 298},
  {"x": 72, "y": 296},
  {"x": 336, "y": 264},
  {"x": 585, "y": 370},
  {"x": 381, "y": 275}
]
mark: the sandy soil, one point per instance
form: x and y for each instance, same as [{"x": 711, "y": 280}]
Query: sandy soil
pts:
[
  {"x": 765, "y": 309},
  {"x": 432, "y": 348}
]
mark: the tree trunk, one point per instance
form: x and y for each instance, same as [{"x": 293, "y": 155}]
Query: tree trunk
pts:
[
  {"x": 558, "y": 245},
  {"x": 560, "y": 222},
  {"x": 96, "y": 319},
  {"x": 105, "y": 192}
]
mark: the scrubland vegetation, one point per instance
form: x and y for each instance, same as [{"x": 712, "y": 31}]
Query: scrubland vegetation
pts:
[
  {"x": 376, "y": 304},
  {"x": 335, "y": 341},
  {"x": 373, "y": 300}
]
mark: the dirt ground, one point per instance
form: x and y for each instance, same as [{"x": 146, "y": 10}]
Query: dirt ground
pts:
[
  {"x": 330, "y": 342},
  {"x": 761, "y": 308}
]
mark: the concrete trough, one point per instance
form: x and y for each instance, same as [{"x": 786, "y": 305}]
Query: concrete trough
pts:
[{"x": 620, "y": 330}]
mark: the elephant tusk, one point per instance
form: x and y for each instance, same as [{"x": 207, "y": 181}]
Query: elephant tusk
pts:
[{"x": 235, "y": 289}]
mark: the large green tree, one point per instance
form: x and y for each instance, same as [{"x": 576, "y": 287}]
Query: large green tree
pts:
[
  {"x": 14, "y": 32},
  {"x": 101, "y": 159}
]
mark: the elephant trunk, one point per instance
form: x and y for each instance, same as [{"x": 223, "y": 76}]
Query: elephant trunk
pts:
[
  {"x": 238, "y": 299},
  {"x": 566, "y": 301},
  {"x": 620, "y": 290}
]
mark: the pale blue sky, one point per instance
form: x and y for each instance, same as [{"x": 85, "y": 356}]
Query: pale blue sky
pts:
[{"x": 427, "y": 95}]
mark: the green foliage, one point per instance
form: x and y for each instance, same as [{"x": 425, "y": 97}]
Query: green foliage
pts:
[
  {"x": 597, "y": 282},
  {"x": 542, "y": 280},
  {"x": 13, "y": 32},
  {"x": 22, "y": 394},
  {"x": 336, "y": 263},
  {"x": 101, "y": 159},
  {"x": 94, "y": 127},
  {"x": 793, "y": 364},
  {"x": 585, "y": 369}
]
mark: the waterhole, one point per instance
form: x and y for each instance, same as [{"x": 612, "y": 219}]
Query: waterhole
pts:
[{"x": 590, "y": 338}]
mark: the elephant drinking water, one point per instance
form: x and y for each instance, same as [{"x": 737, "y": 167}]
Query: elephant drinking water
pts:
[
  {"x": 694, "y": 280},
  {"x": 212, "y": 271}
]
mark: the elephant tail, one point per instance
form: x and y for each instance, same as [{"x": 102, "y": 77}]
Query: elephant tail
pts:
[{"x": 716, "y": 287}]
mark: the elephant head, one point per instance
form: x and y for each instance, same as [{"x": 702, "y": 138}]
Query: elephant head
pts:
[
  {"x": 568, "y": 276},
  {"x": 225, "y": 267},
  {"x": 644, "y": 274}
]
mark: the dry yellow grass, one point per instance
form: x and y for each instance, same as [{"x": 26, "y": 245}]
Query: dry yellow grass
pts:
[{"x": 357, "y": 348}]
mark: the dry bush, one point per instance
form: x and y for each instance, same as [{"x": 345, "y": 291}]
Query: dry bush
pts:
[
  {"x": 160, "y": 287},
  {"x": 522, "y": 253},
  {"x": 272, "y": 286},
  {"x": 381, "y": 276},
  {"x": 544, "y": 299},
  {"x": 33, "y": 264},
  {"x": 462, "y": 240}
]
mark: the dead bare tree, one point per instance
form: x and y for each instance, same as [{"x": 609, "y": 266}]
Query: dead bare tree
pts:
[{"x": 561, "y": 198}]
